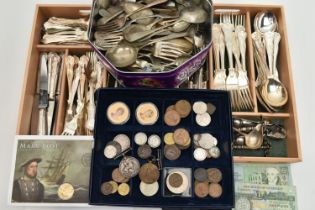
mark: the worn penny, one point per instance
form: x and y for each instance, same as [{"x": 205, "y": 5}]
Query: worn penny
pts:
[
  {"x": 214, "y": 175},
  {"x": 147, "y": 114},
  {"x": 202, "y": 189},
  {"x": 118, "y": 113},
  {"x": 175, "y": 180},
  {"x": 201, "y": 175},
  {"x": 182, "y": 188},
  {"x": 149, "y": 173},
  {"x": 172, "y": 118},
  {"x": 144, "y": 151},
  {"x": 118, "y": 177},
  {"x": 215, "y": 190},
  {"x": 183, "y": 108},
  {"x": 171, "y": 107},
  {"x": 181, "y": 136},
  {"x": 107, "y": 188},
  {"x": 123, "y": 189},
  {"x": 172, "y": 152}
]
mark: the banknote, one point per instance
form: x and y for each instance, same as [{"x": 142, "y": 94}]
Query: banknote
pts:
[
  {"x": 270, "y": 174},
  {"x": 264, "y": 197}
]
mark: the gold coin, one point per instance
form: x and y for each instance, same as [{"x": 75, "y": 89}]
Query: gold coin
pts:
[
  {"x": 171, "y": 118},
  {"x": 168, "y": 138},
  {"x": 118, "y": 113},
  {"x": 65, "y": 191},
  {"x": 123, "y": 189},
  {"x": 115, "y": 186},
  {"x": 183, "y": 108},
  {"x": 202, "y": 189},
  {"x": 181, "y": 137},
  {"x": 215, "y": 190},
  {"x": 147, "y": 114},
  {"x": 118, "y": 177}
]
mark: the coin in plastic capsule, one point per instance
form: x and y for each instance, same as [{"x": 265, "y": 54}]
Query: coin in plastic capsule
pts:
[
  {"x": 214, "y": 152},
  {"x": 154, "y": 141},
  {"x": 175, "y": 179},
  {"x": 147, "y": 114},
  {"x": 140, "y": 138},
  {"x": 200, "y": 154},
  {"x": 149, "y": 190},
  {"x": 203, "y": 119},
  {"x": 118, "y": 113},
  {"x": 200, "y": 107}
]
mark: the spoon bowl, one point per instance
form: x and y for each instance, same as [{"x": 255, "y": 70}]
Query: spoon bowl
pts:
[
  {"x": 265, "y": 21},
  {"x": 274, "y": 93}
]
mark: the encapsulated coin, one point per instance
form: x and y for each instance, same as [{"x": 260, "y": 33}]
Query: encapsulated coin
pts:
[
  {"x": 171, "y": 118},
  {"x": 118, "y": 113},
  {"x": 112, "y": 149},
  {"x": 168, "y": 138},
  {"x": 207, "y": 141},
  {"x": 149, "y": 189},
  {"x": 175, "y": 180},
  {"x": 182, "y": 188},
  {"x": 147, "y": 114},
  {"x": 203, "y": 119},
  {"x": 141, "y": 138},
  {"x": 171, "y": 107},
  {"x": 107, "y": 188},
  {"x": 214, "y": 152},
  {"x": 210, "y": 108},
  {"x": 149, "y": 173},
  {"x": 154, "y": 141},
  {"x": 65, "y": 191},
  {"x": 200, "y": 107},
  {"x": 115, "y": 186},
  {"x": 129, "y": 167},
  {"x": 118, "y": 177},
  {"x": 200, "y": 154},
  {"x": 144, "y": 151},
  {"x": 183, "y": 108},
  {"x": 214, "y": 175},
  {"x": 202, "y": 189},
  {"x": 215, "y": 190},
  {"x": 123, "y": 140},
  {"x": 181, "y": 136},
  {"x": 171, "y": 152},
  {"x": 123, "y": 189},
  {"x": 201, "y": 175}
]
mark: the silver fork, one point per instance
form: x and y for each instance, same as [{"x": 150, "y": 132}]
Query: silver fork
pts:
[
  {"x": 104, "y": 40},
  {"x": 72, "y": 125},
  {"x": 169, "y": 51}
]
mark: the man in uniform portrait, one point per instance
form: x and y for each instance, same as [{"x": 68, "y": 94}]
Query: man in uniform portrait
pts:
[{"x": 28, "y": 188}]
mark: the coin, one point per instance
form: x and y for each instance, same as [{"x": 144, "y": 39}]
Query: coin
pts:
[
  {"x": 141, "y": 138},
  {"x": 118, "y": 177},
  {"x": 202, "y": 189},
  {"x": 107, "y": 188},
  {"x": 118, "y": 113},
  {"x": 149, "y": 189},
  {"x": 203, "y": 119},
  {"x": 112, "y": 149},
  {"x": 149, "y": 173},
  {"x": 181, "y": 136},
  {"x": 171, "y": 152},
  {"x": 200, "y": 107},
  {"x": 123, "y": 140},
  {"x": 171, "y": 118},
  {"x": 214, "y": 175},
  {"x": 175, "y": 180},
  {"x": 215, "y": 190},
  {"x": 123, "y": 189},
  {"x": 201, "y": 175},
  {"x": 183, "y": 108},
  {"x": 214, "y": 152},
  {"x": 129, "y": 167},
  {"x": 210, "y": 108},
  {"x": 207, "y": 141},
  {"x": 171, "y": 107},
  {"x": 147, "y": 114},
  {"x": 65, "y": 191},
  {"x": 168, "y": 138},
  {"x": 144, "y": 151},
  {"x": 154, "y": 141},
  {"x": 115, "y": 186},
  {"x": 200, "y": 154},
  {"x": 182, "y": 188}
]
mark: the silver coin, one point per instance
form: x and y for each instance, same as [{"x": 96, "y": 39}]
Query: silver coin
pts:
[
  {"x": 200, "y": 154},
  {"x": 144, "y": 151},
  {"x": 141, "y": 138},
  {"x": 154, "y": 141},
  {"x": 203, "y": 119},
  {"x": 123, "y": 140},
  {"x": 200, "y": 107},
  {"x": 129, "y": 167},
  {"x": 207, "y": 141},
  {"x": 149, "y": 189},
  {"x": 214, "y": 152},
  {"x": 112, "y": 149}
]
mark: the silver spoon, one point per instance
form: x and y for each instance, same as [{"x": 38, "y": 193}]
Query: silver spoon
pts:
[
  {"x": 265, "y": 21},
  {"x": 255, "y": 138}
]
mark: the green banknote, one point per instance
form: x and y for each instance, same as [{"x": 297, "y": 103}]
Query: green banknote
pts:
[
  {"x": 264, "y": 197},
  {"x": 269, "y": 174}
]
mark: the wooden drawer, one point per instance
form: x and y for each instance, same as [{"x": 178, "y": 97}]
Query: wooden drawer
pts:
[{"x": 28, "y": 104}]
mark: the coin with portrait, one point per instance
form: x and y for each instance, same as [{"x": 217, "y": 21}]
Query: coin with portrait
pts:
[
  {"x": 202, "y": 189},
  {"x": 147, "y": 113},
  {"x": 129, "y": 167},
  {"x": 144, "y": 151},
  {"x": 118, "y": 113},
  {"x": 183, "y": 108},
  {"x": 214, "y": 175},
  {"x": 215, "y": 190},
  {"x": 172, "y": 118},
  {"x": 118, "y": 177},
  {"x": 172, "y": 152},
  {"x": 65, "y": 191},
  {"x": 149, "y": 173}
]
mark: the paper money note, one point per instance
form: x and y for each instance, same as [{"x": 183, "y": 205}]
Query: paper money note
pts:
[
  {"x": 264, "y": 197},
  {"x": 270, "y": 174}
]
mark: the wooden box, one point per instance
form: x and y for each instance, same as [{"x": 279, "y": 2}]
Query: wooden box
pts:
[{"x": 27, "y": 113}]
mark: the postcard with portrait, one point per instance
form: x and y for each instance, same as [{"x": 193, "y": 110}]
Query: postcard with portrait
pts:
[{"x": 51, "y": 170}]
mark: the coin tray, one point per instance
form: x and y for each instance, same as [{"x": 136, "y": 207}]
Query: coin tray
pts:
[{"x": 220, "y": 127}]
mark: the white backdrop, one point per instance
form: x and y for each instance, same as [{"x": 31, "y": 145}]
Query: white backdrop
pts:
[{"x": 16, "y": 20}]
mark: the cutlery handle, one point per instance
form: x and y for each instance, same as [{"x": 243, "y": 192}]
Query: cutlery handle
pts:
[
  {"x": 228, "y": 34},
  {"x": 222, "y": 50},
  {"x": 146, "y": 7},
  {"x": 42, "y": 122},
  {"x": 242, "y": 35},
  {"x": 216, "y": 31},
  {"x": 276, "y": 41},
  {"x": 269, "y": 39}
]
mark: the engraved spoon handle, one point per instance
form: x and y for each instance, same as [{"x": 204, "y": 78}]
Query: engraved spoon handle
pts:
[
  {"x": 277, "y": 39},
  {"x": 242, "y": 35},
  {"x": 269, "y": 39},
  {"x": 222, "y": 50},
  {"x": 228, "y": 34},
  {"x": 216, "y": 31}
]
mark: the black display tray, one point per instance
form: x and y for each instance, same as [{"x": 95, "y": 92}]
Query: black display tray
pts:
[{"x": 220, "y": 127}]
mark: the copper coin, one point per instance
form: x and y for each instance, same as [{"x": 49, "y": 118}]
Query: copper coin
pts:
[
  {"x": 175, "y": 180},
  {"x": 144, "y": 151},
  {"x": 215, "y": 190},
  {"x": 210, "y": 108},
  {"x": 118, "y": 177},
  {"x": 181, "y": 136},
  {"x": 202, "y": 189},
  {"x": 214, "y": 175},
  {"x": 107, "y": 188},
  {"x": 149, "y": 173},
  {"x": 171, "y": 107},
  {"x": 171, "y": 152},
  {"x": 172, "y": 118},
  {"x": 183, "y": 107},
  {"x": 201, "y": 175}
]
